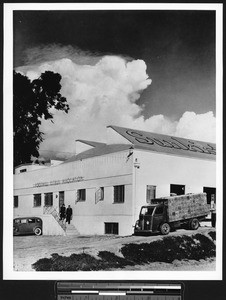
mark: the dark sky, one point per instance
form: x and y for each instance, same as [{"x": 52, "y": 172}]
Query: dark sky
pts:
[{"x": 178, "y": 48}]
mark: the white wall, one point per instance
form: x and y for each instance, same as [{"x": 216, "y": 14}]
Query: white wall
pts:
[
  {"x": 106, "y": 171},
  {"x": 103, "y": 171},
  {"x": 89, "y": 217},
  {"x": 162, "y": 170}
]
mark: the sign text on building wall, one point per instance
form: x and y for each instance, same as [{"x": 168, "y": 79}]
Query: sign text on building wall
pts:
[{"x": 61, "y": 181}]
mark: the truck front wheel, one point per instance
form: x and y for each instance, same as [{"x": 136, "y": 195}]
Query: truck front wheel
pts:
[
  {"x": 164, "y": 228},
  {"x": 194, "y": 224}
]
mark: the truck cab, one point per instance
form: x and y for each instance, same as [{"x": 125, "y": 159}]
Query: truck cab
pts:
[{"x": 151, "y": 219}]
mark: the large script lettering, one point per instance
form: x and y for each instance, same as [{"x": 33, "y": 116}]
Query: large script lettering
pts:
[{"x": 172, "y": 143}]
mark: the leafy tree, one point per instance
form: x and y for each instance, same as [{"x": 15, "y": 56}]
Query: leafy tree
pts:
[{"x": 32, "y": 101}]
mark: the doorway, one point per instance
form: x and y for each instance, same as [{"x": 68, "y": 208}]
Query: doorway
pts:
[
  {"x": 210, "y": 193},
  {"x": 61, "y": 199}
]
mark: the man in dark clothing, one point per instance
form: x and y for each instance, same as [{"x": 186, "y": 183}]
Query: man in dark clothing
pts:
[
  {"x": 62, "y": 212},
  {"x": 68, "y": 214},
  {"x": 213, "y": 213}
]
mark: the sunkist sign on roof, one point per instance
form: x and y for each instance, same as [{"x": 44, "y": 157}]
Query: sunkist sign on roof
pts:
[{"x": 164, "y": 143}]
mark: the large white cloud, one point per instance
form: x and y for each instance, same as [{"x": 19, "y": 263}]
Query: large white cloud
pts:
[{"x": 105, "y": 93}]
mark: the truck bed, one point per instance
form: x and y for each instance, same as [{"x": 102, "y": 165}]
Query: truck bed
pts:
[{"x": 187, "y": 206}]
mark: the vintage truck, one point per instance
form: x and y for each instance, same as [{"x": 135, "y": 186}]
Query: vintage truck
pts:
[{"x": 168, "y": 213}]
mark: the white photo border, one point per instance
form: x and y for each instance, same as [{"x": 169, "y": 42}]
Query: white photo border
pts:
[{"x": 8, "y": 272}]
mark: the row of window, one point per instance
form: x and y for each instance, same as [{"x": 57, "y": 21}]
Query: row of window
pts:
[{"x": 119, "y": 195}]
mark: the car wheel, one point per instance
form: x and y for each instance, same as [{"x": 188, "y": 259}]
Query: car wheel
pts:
[
  {"x": 194, "y": 224},
  {"x": 164, "y": 228},
  {"x": 38, "y": 231}
]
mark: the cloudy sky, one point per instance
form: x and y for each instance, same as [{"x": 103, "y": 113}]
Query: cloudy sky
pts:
[{"x": 150, "y": 70}]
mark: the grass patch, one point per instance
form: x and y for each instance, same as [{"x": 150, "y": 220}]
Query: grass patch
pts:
[{"x": 167, "y": 249}]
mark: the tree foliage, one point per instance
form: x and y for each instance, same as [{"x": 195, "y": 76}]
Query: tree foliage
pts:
[{"x": 32, "y": 102}]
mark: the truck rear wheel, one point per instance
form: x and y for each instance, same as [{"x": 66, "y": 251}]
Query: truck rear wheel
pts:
[
  {"x": 194, "y": 224},
  {"x": 164, "y": 228}
]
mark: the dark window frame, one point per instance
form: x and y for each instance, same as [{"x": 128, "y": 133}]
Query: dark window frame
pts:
[
  {"x": 39, "y": 200},
  {"x": 150, "y": 188},
  {"x": 174, "y": 187},
  {"x": 119, "y": 194},
  {"x": 15, "y": 201},
  {"x": 81, "y": 195},
  {"x": 111, "y": 228},
  {"x": 102, "y": 193},
  {"x": 48, "y": 199}
]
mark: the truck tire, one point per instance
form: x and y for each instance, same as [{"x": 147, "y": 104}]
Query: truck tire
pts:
[
  {"x": 164, "y": 228},
  {"x": 194, "y": 224}
]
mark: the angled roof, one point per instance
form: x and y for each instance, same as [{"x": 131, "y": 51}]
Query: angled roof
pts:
[
  {"x": 91, "y": 143},
  {"x": 99, "y": 150},
  {"x": 167, "y": 144}
]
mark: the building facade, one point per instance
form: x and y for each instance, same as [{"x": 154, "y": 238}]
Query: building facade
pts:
[{"x": 107, "y": 184}]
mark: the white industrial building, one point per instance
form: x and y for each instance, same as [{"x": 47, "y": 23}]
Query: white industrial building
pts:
[{"x": 107, "y": 184}]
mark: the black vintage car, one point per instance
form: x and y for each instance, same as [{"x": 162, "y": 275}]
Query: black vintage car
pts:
[{"x": 27, "y": 225}]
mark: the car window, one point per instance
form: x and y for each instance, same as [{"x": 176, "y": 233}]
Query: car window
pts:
[
  {"x": 38, "y": 220},
  {"x": 31, "y": 220},
  {"x": 23, "y": 221},
  {"x": 17, "y": 221},
  {"x": 159, "y": 210}
]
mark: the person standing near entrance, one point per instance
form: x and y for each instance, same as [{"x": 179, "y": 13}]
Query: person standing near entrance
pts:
[
  {"x": 62, "y": 212},
  {"x": 213, "y": 211},
  {"x": 68, "y": 214}
]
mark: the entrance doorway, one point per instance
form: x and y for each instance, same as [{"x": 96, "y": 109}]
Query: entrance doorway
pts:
[
  {"x": 210, "y": 193},
  {"x": 61, "y": 199},
  {"x": 177, "y": 189}
]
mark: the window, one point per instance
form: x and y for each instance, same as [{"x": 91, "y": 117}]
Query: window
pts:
[
  {"x": 23, "y": 170},
  {"x": 150, "y": 193},
  {"x": 31, "y": 220},
  {"x": 48, "y": 199},
  {"x": 147, "y": 211},
  {"x": 111, "y": 228},
  {"x": 37, "y": 200},
  {"x": 81, "y": 195},
  {"x": 159, "y": 210},
  {"x": 16, "y": 201},
  {"x": 119, "y": 191},
  {"x": 177, "y": 189},
  {"x": 99, "y": 194}
]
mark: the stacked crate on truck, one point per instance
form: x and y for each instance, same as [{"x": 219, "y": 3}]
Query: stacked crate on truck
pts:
[{"x": 187, "y": 206}]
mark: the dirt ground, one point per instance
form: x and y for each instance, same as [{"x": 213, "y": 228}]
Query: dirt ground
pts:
[{"x": 28, "y": 249}]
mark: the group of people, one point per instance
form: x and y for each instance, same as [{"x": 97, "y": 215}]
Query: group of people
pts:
[{"x": 66, "y": 213}]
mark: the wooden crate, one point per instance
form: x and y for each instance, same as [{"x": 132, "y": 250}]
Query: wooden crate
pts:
[{"x": 187, "y": 206}]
